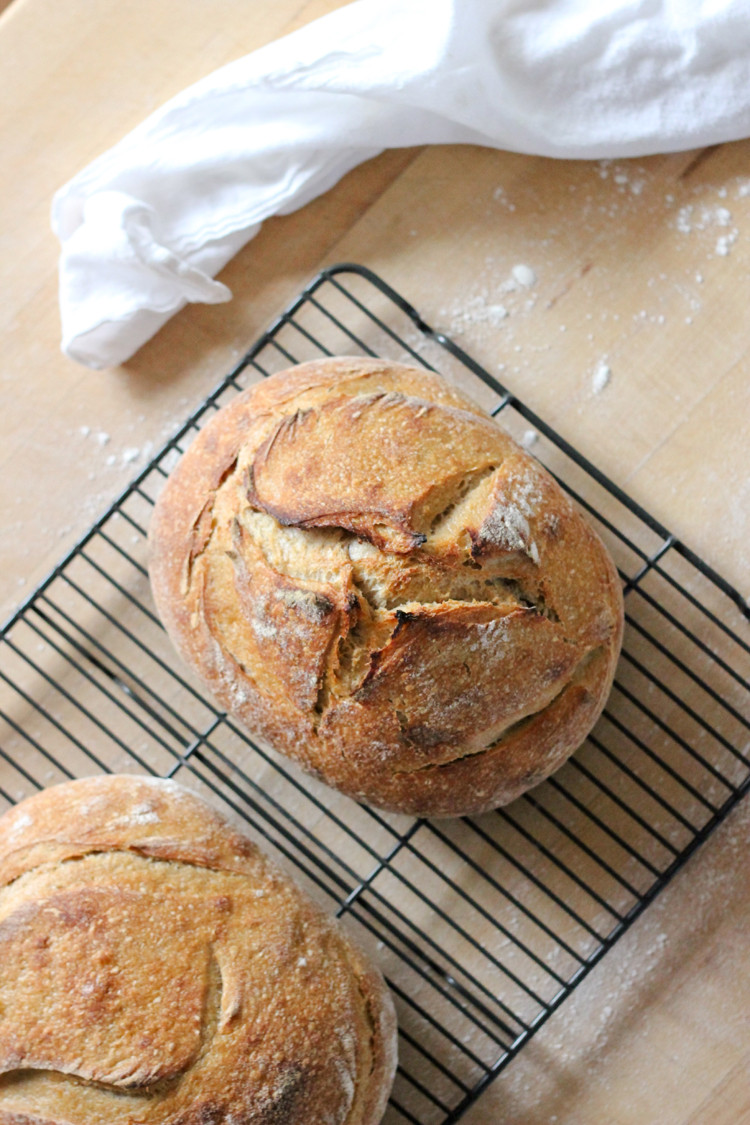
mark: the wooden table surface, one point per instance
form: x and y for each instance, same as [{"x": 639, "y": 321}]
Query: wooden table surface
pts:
[{"x": 642, "y": 268}]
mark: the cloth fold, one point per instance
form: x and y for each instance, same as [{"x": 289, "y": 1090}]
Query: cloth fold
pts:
[{"x": 146, "y": 227}]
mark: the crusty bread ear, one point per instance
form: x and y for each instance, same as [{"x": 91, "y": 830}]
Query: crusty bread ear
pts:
[
  {"x": 155, "y": 967},
  {"x": 370, "y": 574}
]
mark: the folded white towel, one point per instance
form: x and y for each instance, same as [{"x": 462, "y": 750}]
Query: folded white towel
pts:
[{"x": 145, "y": 228}]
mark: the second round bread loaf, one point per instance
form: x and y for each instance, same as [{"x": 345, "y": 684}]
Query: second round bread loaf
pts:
[{"x": 157, "y": 969}]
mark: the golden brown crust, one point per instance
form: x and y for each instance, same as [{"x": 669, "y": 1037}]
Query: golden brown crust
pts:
[
  {"x": 156, "y": 969},
  {"x": 332, "y": 465},
  {"x": 370, "y": 574}
]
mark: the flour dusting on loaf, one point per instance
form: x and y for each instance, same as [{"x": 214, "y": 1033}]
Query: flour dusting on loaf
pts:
[{"x": 369, "y": 573}]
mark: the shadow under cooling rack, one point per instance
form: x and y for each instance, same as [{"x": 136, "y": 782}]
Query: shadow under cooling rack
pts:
[{"x": 484, "y": 925}]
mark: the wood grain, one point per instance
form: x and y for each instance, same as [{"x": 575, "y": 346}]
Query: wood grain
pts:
[
  {"x": 729, "y": 1104},
  {"x": 630, "y": 274}
]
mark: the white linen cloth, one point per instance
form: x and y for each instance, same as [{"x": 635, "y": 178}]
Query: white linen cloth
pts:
[{"x": 146, "y": 226}]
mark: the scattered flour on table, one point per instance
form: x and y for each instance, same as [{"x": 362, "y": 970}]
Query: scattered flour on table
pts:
[
  {"x": 691, "y": 218},
  {"x": 129, "y": 456},
  {"x": 477, "y": 311},
  {"x": 601, "y": 377},
  {"x": 523, "y": 275},
  {"x": 500, "y": 196},
  {"x": 606, "y": 1017},
  {"x": 484, "y": 308},
  {"x": 725, "y": 242},
  {"x": 622, "y": 177},
  {"x": 721, "y": 216}
]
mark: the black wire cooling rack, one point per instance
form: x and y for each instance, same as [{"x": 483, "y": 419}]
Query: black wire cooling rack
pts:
[{"x": 484, "y": 925}]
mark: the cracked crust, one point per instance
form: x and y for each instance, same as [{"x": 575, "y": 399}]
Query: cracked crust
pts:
[
  {"x": 156, "y": 969},
  {"x": 370, "y": 574}
]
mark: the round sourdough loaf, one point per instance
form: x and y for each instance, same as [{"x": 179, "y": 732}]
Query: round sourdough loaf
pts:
[
  {"x": 368, "y": 572},
  {"x": 156, "y": 969}
]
